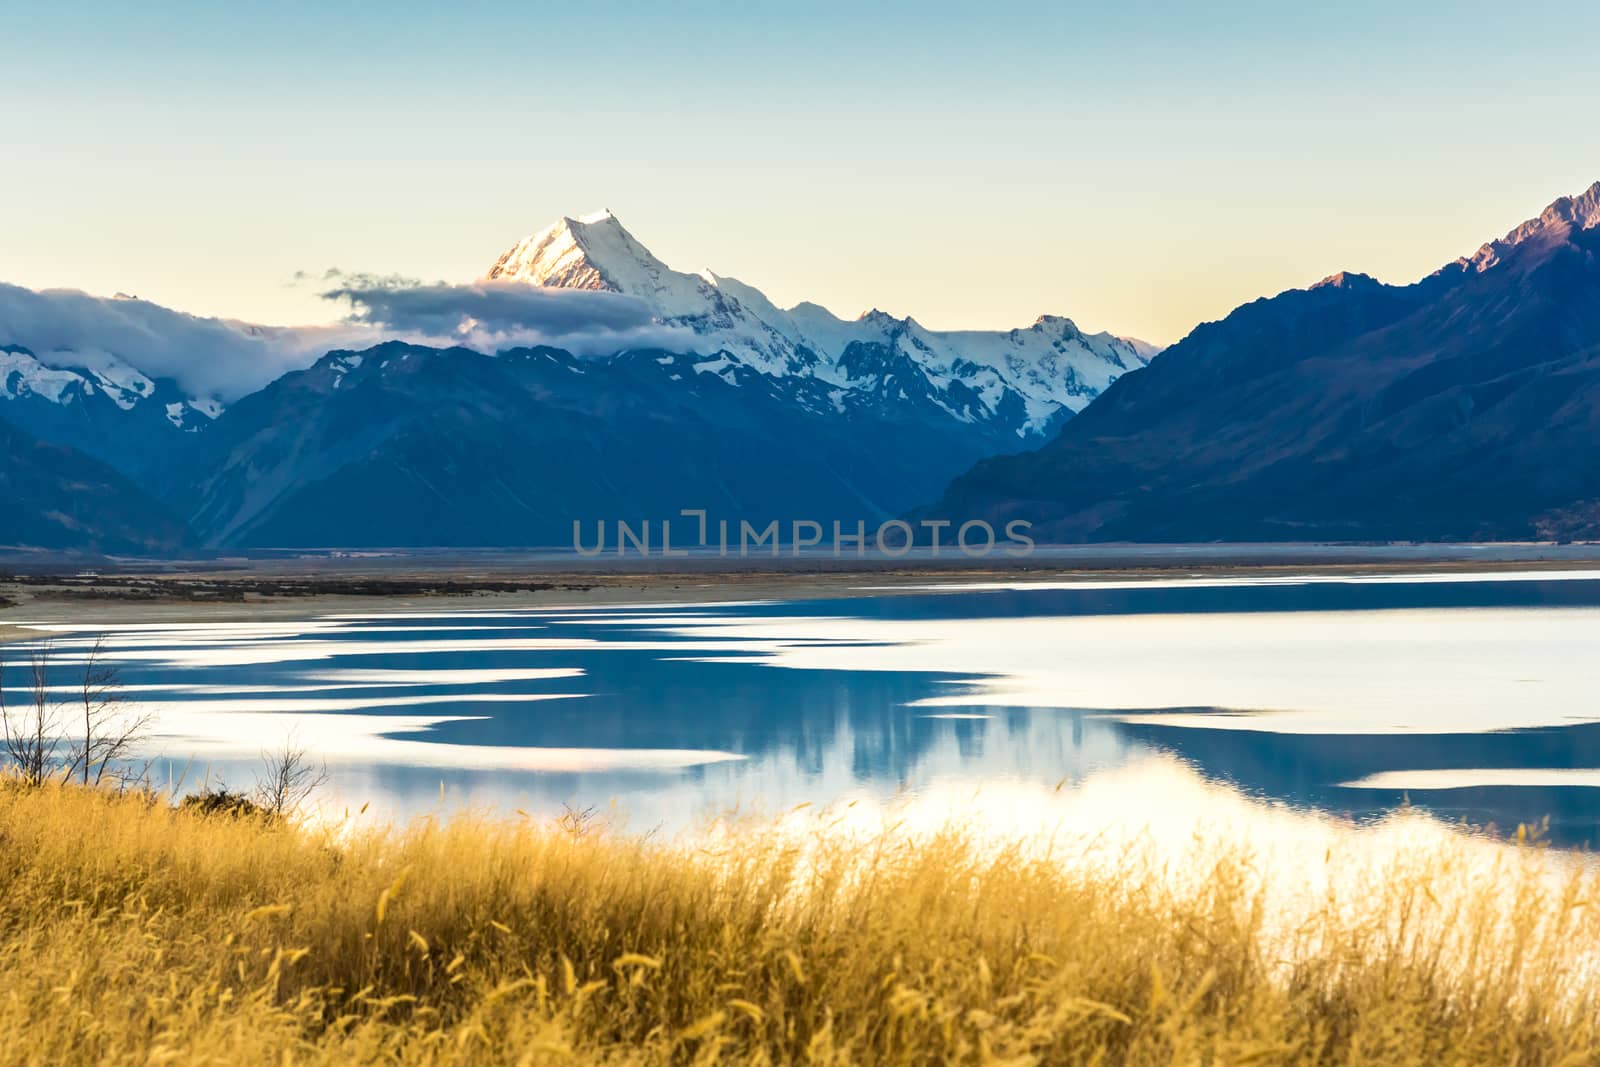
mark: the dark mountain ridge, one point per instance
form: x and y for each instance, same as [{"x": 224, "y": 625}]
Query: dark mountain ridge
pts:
[
  {"x": 407, "y": 446},
  {"x": 1463, "y": 407},
  {"x": 54, "y": 497}
]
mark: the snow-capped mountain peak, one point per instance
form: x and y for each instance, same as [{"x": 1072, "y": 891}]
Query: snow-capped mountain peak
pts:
[
  {"x": 596, "y": 252},
  {"x": 560, "y": 254},
  {"x": 1044, "y": 370}
]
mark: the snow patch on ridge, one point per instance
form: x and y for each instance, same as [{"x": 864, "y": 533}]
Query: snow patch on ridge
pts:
[
  {"x": 23, "y": 375},
  {"x": 62, "y": 380}
]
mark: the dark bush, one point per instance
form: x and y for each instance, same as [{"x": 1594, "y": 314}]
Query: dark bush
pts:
[{"x": 222, "y": 802}]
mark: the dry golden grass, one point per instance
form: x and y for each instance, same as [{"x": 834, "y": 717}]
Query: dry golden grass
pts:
[{"x": 134, "y": 933}]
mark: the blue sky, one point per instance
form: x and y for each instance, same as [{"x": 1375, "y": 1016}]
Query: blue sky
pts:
[{"x": 1138, "y": 166}]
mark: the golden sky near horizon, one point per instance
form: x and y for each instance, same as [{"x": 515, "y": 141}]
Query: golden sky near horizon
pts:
[{"x": 1139, "y": 168}]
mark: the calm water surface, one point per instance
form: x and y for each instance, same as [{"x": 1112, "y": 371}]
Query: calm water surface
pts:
[{"x": 1474, "y": 697}]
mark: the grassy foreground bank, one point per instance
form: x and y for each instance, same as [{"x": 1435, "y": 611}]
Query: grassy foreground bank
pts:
[{"x": 134, "y": 933}]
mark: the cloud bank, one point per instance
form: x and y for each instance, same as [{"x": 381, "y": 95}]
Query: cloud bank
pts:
[
  {"x": 491, "y": 315},
  {"x": 226, "y": 359},
  {"x": 206, "y": 357}
]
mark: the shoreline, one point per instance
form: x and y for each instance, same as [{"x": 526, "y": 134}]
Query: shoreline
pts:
[{"x": 308, "y": 587}]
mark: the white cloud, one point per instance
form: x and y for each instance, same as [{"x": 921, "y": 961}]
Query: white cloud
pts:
[
  {"x": 227, "y": 359},
  {"x": 206, "y": 357},
  {"x": 492, "y": 315}
]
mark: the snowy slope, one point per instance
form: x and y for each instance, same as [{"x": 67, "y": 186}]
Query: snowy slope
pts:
[
  {"x": 65, "y": 379},
  {"x": 100, "y": 406},
  {"x": 595, "y": 252},
  {"x": 1026, "y": 377}
]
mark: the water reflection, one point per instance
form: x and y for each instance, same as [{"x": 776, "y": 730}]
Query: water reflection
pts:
[{"x": 1350, "y": 696}]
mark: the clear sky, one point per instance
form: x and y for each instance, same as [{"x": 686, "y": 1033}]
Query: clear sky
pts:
[{"x": 1137, "y": 166}]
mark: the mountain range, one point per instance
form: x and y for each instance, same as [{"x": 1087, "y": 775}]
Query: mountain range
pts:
[
  {"x": 1464, "y": 406},
  {"x": 1026, "y": 380},
  {"x": 737, "y": 406}
]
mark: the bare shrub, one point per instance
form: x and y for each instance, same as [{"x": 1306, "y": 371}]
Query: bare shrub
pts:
[
  {"x": 288, "y": 779},
  {"x": 107, "y": 730},
  {"x": 87, "y": 739},
  {"x": 31, "y": 734}
]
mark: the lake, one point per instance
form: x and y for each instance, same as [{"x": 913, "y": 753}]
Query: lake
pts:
[{"x": 1475, "y": 697}]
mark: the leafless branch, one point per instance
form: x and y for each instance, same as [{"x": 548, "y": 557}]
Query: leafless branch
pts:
[
  {"x": 110, "y": 733},
  {"x": 31, "y": 735},
  {"x": 47, "y": 740},
  {"x": 288, "y": 779}
]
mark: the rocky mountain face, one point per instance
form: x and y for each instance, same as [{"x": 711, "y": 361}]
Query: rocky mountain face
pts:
[
  {"x": 406, "y": 446},
  {"x": 114, "y": 413},
  {"x": 1464, "y": 406},
  {"x": 54, "y": 497}
]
